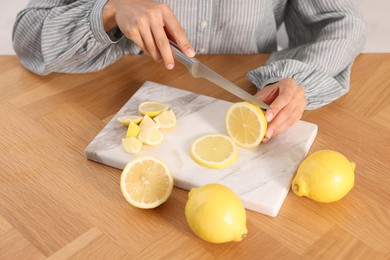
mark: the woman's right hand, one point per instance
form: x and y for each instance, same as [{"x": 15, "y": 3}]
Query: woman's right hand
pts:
[{"x": 148, "y": 25}]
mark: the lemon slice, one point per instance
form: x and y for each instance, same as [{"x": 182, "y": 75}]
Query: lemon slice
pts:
[
  {"x": 166, "y": 119},
  {"x": 133, "y": 130},
  {"x": 150, "y": 135},
  {"x": 152, "y": 108},
  {"x": 132, "y": 145},
  {"x": 125, "y": 120},
  {"x": 147, "y": 121},
  {"x": 246, "y": 124},
  {"x": 146, "y": 182},
  {"x": 214, "y": 151}
]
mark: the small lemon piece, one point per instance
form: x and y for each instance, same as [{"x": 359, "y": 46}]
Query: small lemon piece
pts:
[
  {"x": 215, "y": 214},
  {"x": 132, "y": 130},
  {"x": 214, "y": 151},
  {"x": 246, "y": 124},
  {"x": 132, "y": 145},
  {"x": 125, "y": 120},
  {"x": 324, "y": 176},
  {"x": 150, "y": 135},
  {"x": 152, "y": 108},
  {"x": 146, "y": 182},
  {"x": 166, "y": 119},
  {"x": 147, "y": 121}
]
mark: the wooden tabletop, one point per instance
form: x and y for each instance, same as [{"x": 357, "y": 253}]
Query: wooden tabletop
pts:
[{"x": 55, "y": 203}]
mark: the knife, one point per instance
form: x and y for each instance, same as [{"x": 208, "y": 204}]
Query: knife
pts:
[{"x": 199, "y": 70}]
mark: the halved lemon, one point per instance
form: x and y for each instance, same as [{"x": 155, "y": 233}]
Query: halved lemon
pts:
[
  {"x": 150, "y": 135},
  {"x": 146, "y": 182},
  {"x": 125, "y": 120},
  {"x": 152, "y": 108},
  {"x": 147, "y": 121},
  {"x": 132, "y": 130},
  {"x": 214, "y": 151},
  {"x": 166, "y": 119},
  {"x": 246, "y": 124},
  {"x": 132, "y": 145}
]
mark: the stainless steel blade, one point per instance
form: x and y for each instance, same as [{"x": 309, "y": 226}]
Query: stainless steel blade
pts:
[{"x": 197, "y": 70}]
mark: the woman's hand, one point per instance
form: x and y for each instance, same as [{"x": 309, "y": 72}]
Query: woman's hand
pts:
[
  {"x": 288, "y": 103},
  {"x": 147, "y": 24}
]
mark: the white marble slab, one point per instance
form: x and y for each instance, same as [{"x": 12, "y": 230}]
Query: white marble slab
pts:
[{"x": 261, "y": 177}]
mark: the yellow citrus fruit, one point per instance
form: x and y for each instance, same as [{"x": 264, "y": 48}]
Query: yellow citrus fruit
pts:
[
  {"x": 150, "y": 135},
  {"x": 215, "y": 214},
  {"x": 324, "y": 176},
  {"x": 147, "y": 121},
  {"x": 132, "y": 130},
  {"x": 132, "y": 145},
  {"x": 246, "y": 124},
  {"x": 146, "y": 182},
  {"x": 152, "y": 108},
  {"x": 214, "y": 151},
  {"x": 125, "y": 120},
  {"x": 166, "y": 119}
]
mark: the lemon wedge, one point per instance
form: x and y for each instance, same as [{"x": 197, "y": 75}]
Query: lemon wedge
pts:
[
  {"x": 246, "y": 124},
  {"x": 132, "y": 145},
  {"x": 147, "y": 121},
  {"x": 125, "y": 120},
  {"x": 146, "y": 182},
  {"x": 132, "y": 130},
  {"x": 214, "y": 151},
  {"x": 152, "y": 108},
  {"x": 150, "y": 135},
  {"x": 166, "y": 119}
]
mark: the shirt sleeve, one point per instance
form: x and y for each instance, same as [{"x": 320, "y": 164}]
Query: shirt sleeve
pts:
[
  {"x": 67, "y": 36},
  {"x": 324, "y": 39}
]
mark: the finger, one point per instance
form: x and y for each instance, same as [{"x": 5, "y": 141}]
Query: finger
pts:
[
  {"x": 135, "y": 36},
  {"x": 162, "y": 44},
  {"x": 285, "y": 115},
  {"x": 176, "y": 32},
  {"x": 147, "y": 38}
]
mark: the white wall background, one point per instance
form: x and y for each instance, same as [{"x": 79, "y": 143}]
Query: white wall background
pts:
[{"x": 375, "y": 13}]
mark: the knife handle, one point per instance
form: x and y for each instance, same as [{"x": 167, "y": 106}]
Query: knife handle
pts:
[{"x": 181, "y": 57}]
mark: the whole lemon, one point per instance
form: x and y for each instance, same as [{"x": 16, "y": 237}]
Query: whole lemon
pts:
[
  {"x": 324, "y": 176},
  {"x": 216, "y": 214}
]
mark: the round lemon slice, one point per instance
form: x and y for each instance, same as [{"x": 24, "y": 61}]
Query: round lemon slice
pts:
[
  {"x": 125, "y": 120},
  {"x": 146, "y": 182},
  {"x": 246, "y": 124},
  {"x": 150, "y": 135},
  {"x": 152, "y": 108},
  {"x": 132, "y": 145},
  {"x": 166, "y": 119},
  {"x": 214, "y": 151}
]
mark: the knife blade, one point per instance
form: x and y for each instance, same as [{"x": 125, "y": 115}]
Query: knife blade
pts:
[{"x": 199, "y": 70}]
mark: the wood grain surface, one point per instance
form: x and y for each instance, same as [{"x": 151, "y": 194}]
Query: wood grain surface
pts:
[{"x": 56, "y": 204}]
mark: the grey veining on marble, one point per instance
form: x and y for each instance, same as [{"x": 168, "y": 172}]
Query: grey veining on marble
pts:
[{"x": 261, "y": 177}]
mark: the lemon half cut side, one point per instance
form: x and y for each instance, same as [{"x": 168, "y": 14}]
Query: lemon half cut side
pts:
[{"x": 146, "y": 182}]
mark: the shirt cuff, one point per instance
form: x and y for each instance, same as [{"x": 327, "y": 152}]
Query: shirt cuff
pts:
[
  {"x": 96, "y": 21},
  {"x": 320, "y": 88}
]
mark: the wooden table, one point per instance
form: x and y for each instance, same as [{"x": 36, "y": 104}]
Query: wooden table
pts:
[{"x": 55, "y": 203}]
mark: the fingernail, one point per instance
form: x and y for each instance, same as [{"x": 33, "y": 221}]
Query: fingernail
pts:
[
  {"x": 265, "y": 140},
  {"x": 190, "y": 52},
  {"x": 269, "y": 134},
  {"x": 169, "y": 66},
  {"x": 269, "y": 115}
]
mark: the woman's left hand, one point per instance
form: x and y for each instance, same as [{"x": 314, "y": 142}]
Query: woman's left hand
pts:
[{"x": 287, "y": 100}]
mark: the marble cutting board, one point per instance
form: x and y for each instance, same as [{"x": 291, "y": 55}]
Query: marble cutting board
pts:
[{"x": 261, "y": 177}]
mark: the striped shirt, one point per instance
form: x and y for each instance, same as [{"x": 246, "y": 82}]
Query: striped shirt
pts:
[{"x": 324, "y": 38}]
